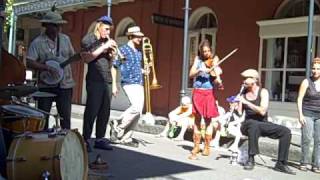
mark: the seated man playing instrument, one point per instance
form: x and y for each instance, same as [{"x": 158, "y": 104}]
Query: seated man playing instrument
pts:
[{"x": 255, "y": 102}]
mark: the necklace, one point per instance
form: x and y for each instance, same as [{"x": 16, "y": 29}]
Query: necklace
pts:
[{"x": 51, "y": 45}]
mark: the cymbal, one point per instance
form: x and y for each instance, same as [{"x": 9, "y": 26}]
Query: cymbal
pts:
[
  {"x": 39, "y": 94},
  {"x": 6, "y": 92}
]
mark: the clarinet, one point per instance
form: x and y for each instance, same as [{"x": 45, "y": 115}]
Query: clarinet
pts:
[{"x": 233, "y": 109}]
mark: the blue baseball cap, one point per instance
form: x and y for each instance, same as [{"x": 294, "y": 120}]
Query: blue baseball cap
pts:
[
  {"x": 105, "y": 20},
  {"x": 232, "y": 99}
]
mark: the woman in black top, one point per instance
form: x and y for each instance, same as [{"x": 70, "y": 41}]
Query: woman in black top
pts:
[
  {"x": 309, "y": 117},
  {"x": 255, "y": 103}
]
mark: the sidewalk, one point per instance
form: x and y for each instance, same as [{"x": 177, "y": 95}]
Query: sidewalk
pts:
[
  {"x": 267, "y": 146},
  {"x": 77, "y": 118}
]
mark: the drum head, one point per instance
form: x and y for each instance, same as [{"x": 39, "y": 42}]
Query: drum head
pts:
[
  {"x": 50, "y": 78},
  {"x": 73, "y": 163},
  {"x": 22, "y": 111}
]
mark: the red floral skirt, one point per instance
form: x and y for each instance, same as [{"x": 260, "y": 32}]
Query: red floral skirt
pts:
[{"x": 204, "y": 103}]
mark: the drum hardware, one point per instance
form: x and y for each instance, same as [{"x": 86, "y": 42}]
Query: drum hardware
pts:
[
  {"x": 39, "y": 94},
  {"x": 6, "y": 92},
  {"x": 47, "y": 158},
  {"x": 98, "y": 164},
  {"x": 45, "y": 175},
  {"x": 11, "y": 117}
]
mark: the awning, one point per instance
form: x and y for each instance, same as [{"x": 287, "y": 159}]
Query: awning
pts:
[{"x": 22, "y": 7}]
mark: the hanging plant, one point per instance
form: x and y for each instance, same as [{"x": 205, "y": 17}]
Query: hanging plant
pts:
[{"x": 9, "y": 9}]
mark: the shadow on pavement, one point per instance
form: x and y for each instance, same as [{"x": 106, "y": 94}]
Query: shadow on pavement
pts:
[{"x": 129, "y": 164}]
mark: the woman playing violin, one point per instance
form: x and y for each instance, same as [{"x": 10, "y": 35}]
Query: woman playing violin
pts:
[{"x": 206, "y": 77}]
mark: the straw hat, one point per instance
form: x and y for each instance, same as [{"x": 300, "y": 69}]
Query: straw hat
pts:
[
  {"x": 135, "y": 31},
  {"x": 53, "y": 18},
  {"x": 250, "y": 73}
]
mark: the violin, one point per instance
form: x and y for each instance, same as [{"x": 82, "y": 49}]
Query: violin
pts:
[{"x": 211, "y": 63}]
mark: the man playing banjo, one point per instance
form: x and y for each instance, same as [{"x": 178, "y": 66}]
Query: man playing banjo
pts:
[{"x": 52, "y": 45}]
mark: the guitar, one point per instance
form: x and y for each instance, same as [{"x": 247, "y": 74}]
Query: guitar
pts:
[{"x": 54, "y": 77}]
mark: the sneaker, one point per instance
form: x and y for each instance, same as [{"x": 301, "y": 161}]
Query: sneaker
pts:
[
  {"x": 120, "y": 132},
  {"x": 249, "y": 165},
  {"x": 303, "y": 167},
  {"x": 283, "y": 168},
  {"x": 113, "y": 135},
  {"x": 102, "y": 144},
  {"x": 315, "y": 170}
]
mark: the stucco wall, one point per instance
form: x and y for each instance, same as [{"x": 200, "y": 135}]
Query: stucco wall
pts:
[{"x": 236, "y": 29}]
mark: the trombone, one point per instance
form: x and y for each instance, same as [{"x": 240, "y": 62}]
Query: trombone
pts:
[{"x": 148, "y": 61}]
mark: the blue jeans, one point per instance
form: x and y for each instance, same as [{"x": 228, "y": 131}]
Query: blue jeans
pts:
[{"x": 310, "y": 131}]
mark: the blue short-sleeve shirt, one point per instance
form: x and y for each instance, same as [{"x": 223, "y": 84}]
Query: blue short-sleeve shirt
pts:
[{"x": 130, "y": 68}]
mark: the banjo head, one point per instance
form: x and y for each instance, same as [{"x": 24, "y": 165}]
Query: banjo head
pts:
[{"x": 52, "y": 78}]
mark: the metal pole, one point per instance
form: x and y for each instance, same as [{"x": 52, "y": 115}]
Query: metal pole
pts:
[
  {"x": 185, "y": 64},
  {"x": 12, "y": 33},
  {"x": 2, "y": 20},
  {"x": 310, "y": 37},
  {"x": 109, "y": 4}
]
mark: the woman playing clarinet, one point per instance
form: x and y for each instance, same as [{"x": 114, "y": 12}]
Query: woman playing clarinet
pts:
[{"x": 206, "y": 76}]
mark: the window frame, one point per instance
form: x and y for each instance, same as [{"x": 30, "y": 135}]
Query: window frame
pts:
[{"x": 285, "y": 28}]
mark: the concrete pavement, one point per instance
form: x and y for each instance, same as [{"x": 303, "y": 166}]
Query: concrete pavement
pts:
[{"x": 167, "y": 159}]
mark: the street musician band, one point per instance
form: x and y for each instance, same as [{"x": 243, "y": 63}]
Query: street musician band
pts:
[{"x": 104, "y": 59}]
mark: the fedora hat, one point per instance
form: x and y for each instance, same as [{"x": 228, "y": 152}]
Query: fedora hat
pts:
[
  {"x": 53, "y": 18},
  {"x": 134, "y": 31},
  {"x": 250, "y": 73}
]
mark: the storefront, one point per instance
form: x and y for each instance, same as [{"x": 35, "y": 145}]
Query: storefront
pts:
[{"x": 271, "y": 37}]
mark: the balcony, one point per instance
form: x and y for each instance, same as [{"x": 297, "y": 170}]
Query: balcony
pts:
[{"x": 22, "y": 7}]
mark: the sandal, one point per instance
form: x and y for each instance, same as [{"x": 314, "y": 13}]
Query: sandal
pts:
[
  {"x": 316, "y": 170},
  {"x": 303, "y": 167}
]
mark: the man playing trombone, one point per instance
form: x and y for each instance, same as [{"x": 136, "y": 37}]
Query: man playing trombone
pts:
[{"x": 98, "y": 51}]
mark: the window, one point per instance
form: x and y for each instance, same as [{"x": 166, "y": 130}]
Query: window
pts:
[
  {"x": 283, "y": 66},
  {"x": 283, "y": 47}
]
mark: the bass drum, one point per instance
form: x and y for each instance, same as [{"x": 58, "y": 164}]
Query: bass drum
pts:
[{"x": 61, "y": 156}]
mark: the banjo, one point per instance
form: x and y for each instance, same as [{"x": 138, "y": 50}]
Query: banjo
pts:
[{"x": 54, "y": 77}]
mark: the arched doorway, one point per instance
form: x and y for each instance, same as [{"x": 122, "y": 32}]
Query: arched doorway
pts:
[
  {"x": 122, "y": 27},
  {"x": 202, "y": 25},
  {"x": 121, "y": 102}
]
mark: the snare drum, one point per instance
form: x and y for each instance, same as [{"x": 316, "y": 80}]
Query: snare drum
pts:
[
  {"x": 63, "y": 155},
  {"x": 19, "y": 119}
]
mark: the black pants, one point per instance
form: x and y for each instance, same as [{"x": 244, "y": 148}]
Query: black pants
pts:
[
  {"x": 97, "y": 106},
  {"x": 63, "y": 101},
  {"x": 254, "y": 129}
]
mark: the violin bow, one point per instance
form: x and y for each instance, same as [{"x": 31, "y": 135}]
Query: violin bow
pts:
[{"x": 224, "y": 58}]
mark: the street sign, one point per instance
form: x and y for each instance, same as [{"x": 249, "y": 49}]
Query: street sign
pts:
[{"x": 167, "y": 20}]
